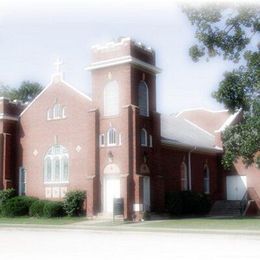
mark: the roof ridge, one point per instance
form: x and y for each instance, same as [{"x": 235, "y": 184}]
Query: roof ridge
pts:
[{"x": 201, "y": 108}]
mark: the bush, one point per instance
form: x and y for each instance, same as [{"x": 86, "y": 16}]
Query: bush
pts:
[
  {"x": 36, "y": 209},
  {"x": 187, "y": 202},
  {"x": 173, "y": 203},
  {"x": 6, "y": 195},
  {"x": 73, "y": 202},
  {"x": 17, "y": 206},
  {"x": 53, "y": 209}
]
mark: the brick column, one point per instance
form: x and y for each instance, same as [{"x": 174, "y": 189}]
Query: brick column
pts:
[
  {"x": 1, "y": 162},
  {"x": 8, "y": 161},
  {"x": 93, "y": 180}
]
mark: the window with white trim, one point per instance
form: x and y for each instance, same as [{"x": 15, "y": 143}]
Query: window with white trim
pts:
[
  {"x": 102, "y": 140},
  {"x": 111, "y": 99},
  {"x": 184, "y": 177},
  {"x": 119, "y": 139},
  {"x": 143, "y": 137},
  {"x": 56, "y": 165},
  {"x": 111, "y": 137},
  {"x": 22, "y": 181},
  {"x": 56, "y": 112},
  {"x": 143, "y": 99},
  {"x": 206, "y": 179}
]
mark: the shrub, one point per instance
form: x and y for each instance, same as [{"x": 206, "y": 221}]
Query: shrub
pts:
[
  {"x": 17, "y": 206},
  {"x": 6, "y": 195},
  {"x": 53, "y": 209},
  {"x": 173, "y": 203},
  {"x": 73, "y": 202},
  {"x": 36, "y": 209},
  {"x": 187, "y": 202}
]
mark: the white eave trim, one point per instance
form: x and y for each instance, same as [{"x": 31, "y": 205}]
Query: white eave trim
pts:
[
  {"x": 123, "y": 60},
  {"x": 201, "y": 108},
  {"x": 6, "y": 117},
  {"x": 229, "y": 121},
  {"x": 60, "y": 81}
]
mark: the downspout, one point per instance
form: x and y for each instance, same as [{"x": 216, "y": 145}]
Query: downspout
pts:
[{"x": 189, "y": 165}]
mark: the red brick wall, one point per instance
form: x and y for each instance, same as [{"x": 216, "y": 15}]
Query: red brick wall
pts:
[
  {"x": 130, "y": 155},
  {"x": 38, "y": 134},
  {"x": 171, "y": 160}
]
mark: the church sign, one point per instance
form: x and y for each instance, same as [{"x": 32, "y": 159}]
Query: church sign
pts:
[{"x": 118, "y": 206}]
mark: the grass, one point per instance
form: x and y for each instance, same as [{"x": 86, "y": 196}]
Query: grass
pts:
[
  {"x": 243, "y": 223},
  {"x": 41, "y": 221}
]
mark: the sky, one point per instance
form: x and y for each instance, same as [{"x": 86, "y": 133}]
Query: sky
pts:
[{"x": 33, "y": 34}]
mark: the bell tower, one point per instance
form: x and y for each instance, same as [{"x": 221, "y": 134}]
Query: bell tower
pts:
[{"x": 124, "y": 94}]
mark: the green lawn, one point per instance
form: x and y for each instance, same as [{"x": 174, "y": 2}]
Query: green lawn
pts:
[
  {"x": 41, "y": 221},
  {"x": 242, "y": 223}
]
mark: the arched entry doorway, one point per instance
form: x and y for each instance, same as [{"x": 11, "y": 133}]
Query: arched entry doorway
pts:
[{"x": 111, "y": 186}]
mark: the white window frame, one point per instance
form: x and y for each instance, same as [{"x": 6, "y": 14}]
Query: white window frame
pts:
[
  {"x": 62, "y": 157},
  {"x": 143, "y": 131},
  {"x": 184, "y": 179},
  {"x": 112, "y": 142},
  {"x": 120, "y": 139},
  {"x": 206, "y": 180},
  {"x": 56, "y": 112},
  {"x": 102, "y": 141},
  {"x": 22, "y": 181},
  {"x": 50, "y": 114},
  {"x": 150, "y": 141},
  {"x": 64, "y": 112},
  {"x": 144, "y": 112}
]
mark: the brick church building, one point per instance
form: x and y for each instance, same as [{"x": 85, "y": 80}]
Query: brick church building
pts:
[{"x": 115, "y": 143}]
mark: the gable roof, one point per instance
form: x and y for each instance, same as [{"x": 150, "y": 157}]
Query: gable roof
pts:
[
  {"x": 56, "y": 79},
  {"x": 208, "y": 120},
  {"x": 198, "y": 127},
  {"x": 180, "y": 132}
]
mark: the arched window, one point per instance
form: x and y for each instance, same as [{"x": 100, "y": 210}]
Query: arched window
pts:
[
  {"x": 206, "y": 183},
  {"x": 184, "y": 177},
  {"x": 111, "y": 137},
  {"x": 111, "y": 99},
  {"x": 56, "y": 112},
  {"x": 143, "y": 137},
  {"x": 56, "y": 165},
  {"x": 143, "y": 99}
]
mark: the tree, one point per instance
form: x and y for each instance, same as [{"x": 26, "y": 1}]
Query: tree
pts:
[
  {"x": 232, "y": 32},
  {"x": 26, "y": 92}
]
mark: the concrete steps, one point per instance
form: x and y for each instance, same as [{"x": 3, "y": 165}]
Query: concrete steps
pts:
[
  {"x": 107, "y": 216},
  {"x": 226, "y": 208}
]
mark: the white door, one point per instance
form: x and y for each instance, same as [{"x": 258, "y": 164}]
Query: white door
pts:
[
  {"x": 236, "y": 187},
  {"x": 111, "y": 191},
  {"x": 146, "y": 193}
]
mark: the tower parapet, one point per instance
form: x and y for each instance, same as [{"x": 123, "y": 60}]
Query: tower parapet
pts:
[{"x": 125, "y": 50}]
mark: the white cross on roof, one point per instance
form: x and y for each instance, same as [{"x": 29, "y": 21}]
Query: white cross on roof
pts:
[{"x": 58, "y": 64}]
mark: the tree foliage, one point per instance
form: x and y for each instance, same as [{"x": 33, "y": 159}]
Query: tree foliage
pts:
[
  {"x": 26, "y": 92},
  {"x": 232, "y": 32}
]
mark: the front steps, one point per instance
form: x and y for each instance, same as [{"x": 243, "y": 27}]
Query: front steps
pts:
[
  {"x": 107, "y": 216},
  {"x": 229, "y": 208}
]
